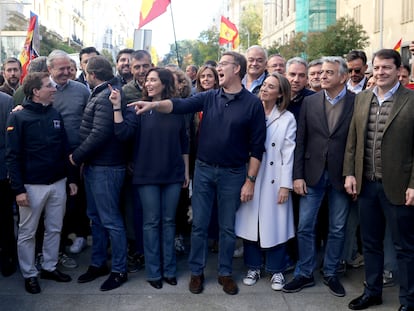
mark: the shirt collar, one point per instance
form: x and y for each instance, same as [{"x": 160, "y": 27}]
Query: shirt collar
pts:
[
  {"x": 357, "y": 88},
  {"x": 59, "y": 87},
  {"x": 337, "y": 98},
  {"x": 387, "y": 95},
  {"x": 255, "y": 83}
]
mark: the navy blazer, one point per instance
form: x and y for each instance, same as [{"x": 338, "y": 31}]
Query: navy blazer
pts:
[{"x": 317, "y": 148}]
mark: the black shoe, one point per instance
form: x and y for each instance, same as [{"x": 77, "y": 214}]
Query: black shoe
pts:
[
  {"x": 32, "y": 285},
  {"x": 92, "y": 273},
  {"x": 156, "y": 284},
  {"x": 196, "y": 283},
  {"x": 8, "y": 266},
  {"x": 298, "y": 283},
  {"x": 364, "y": 301},
  {"x": 115, "y": 280},
  {"x": 55, "y": 275},
  {"x": 405, "y": 308},
  {"x": 171, "y": 281},
  {"x": 335, "y": 287},
  {"x": 136, "y": 262}
]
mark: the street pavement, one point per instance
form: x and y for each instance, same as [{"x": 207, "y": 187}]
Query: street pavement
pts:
[{"x": 137, "y": 294}]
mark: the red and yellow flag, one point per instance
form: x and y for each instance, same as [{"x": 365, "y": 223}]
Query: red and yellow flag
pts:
[
  {"x": 31, "y": 44},
  {"x": 228, "y": 33},
  {"x": 151, "y": 9},
  {"x": 397, "y": 47}
]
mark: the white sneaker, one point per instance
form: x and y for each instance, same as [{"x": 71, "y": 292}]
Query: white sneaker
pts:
[
  {"x": 278, "y": 281},
  {"x": 67, "y": 262},
  {"x": 251, "y": 277},
  {"x": 78, "y": 245},
  {"x": 238, "y": 252}
]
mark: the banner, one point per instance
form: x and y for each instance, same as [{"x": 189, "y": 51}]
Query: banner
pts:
[
  {"x": 31, "y": 44},
  {"x": 228, "y": 33},
  {"x": 151, "y": 9},
  {"x": 397, "y": 47}
]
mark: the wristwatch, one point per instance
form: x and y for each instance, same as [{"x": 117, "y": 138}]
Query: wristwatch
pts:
[{"x": 251, "y": 178}]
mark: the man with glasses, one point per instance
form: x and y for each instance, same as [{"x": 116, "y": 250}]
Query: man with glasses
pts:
[
  {"x": 231, "y": 135},
  {"x": 256, "y": 68},
  {"x": 276, "y": 63},
  {"x": 357, "y": 65},
  {"x": 36, "y": 158}
]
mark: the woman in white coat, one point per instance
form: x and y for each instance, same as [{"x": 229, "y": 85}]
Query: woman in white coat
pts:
[{"x": 266, "y": 222}]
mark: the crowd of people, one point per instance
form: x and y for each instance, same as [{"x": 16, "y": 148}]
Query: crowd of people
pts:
[{"x": 283, "y": 158}]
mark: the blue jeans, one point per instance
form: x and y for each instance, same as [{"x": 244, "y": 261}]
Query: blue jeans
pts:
[
  {"x": 103, "y": 186},
  {"x": 338, "y": 202},
  {"x": 225, "y": 184},
  {"x": 275, "y": 258},
  {"x": 159, "y": 205}
]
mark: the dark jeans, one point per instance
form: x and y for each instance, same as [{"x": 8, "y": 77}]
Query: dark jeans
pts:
[
  {"x": 375, "y": 211},
  {"x": 225, "y": 184},
  {"x": 8, "y": 254}
]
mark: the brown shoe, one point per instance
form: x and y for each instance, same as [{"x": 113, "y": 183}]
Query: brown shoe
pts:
[
  {"x": 196, "y": 283},
  {"x": 229, "y": 286}
]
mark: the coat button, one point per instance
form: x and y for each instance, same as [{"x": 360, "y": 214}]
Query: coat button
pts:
[{"x": 271, "y": 163}]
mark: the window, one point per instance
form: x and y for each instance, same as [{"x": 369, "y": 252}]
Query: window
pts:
[
  {"x": 357, "y": 14},
  {"x": 377, "y": 18},
  {"x": 407, "y": 11}
]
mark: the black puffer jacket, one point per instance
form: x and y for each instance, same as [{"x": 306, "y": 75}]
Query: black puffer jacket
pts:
[
  {"x": 99, "y": 146},
  {"x": 6, "y": 105}
]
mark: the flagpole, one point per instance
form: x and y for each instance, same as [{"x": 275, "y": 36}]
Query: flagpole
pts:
[{"x": 175, "y": 38}]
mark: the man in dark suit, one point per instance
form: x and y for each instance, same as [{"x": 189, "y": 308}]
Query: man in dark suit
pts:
[
  {"x": 378, "y": 166},
  {"x": 320, "y": 144}
]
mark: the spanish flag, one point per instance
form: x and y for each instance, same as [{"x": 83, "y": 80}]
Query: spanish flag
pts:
[
  {"x": 151, "y": 9},
  {"x": 397, "y": 47},
  {"x": 31, "y": 44},
  {"x": 228, "y": 33}
]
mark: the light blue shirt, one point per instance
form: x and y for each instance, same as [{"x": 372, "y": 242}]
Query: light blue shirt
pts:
[
  {"x": 337, "y": 98},
  {"x": 387, "y": 95},
  {"x": 255, "y": 83}
]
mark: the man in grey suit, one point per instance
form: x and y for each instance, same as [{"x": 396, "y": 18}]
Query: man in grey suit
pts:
[
  {"x": 320, "y": 144},
  {"x": 378, "y": 166}
]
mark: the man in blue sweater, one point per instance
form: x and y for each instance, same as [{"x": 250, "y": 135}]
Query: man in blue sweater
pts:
[{"x": 232, "y": 135}]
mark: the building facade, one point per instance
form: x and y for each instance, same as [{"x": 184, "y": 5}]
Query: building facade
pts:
[{"x": 78, "y": 23}]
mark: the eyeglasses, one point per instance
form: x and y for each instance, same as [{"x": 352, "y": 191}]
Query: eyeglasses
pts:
[
  {"x": 356, "y": 70},
  {"x": 225, "y": 63}
]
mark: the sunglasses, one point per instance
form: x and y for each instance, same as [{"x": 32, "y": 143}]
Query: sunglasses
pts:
[{"x": 354, "y": 70}]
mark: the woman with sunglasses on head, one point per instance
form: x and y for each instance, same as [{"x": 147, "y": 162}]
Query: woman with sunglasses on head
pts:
[
  {"x": 266, "y": 222},
  {"x": 160, "y": 170}
]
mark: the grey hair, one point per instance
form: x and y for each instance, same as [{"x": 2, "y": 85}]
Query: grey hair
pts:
[
  {"x": 315, "y": 62},
  {"x": 259, "y": 48},
  {"x": 297, "y": 60},
  {"x": 38, "y": 64},
  {"x": 56, "y": 54},
  {"x": 343, "y": 68}
]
